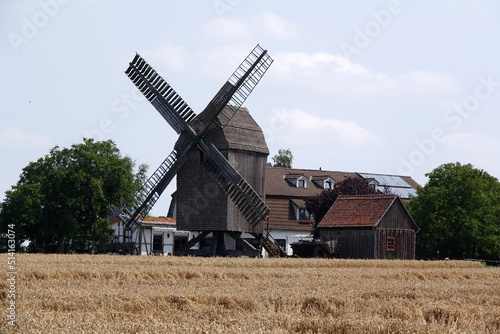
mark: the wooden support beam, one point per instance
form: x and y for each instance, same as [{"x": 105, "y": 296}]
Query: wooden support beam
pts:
[{"x": 193, "y": 241}]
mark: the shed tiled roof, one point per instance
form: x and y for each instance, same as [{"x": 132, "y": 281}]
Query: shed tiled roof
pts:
[{"x": 357, "y": 211}]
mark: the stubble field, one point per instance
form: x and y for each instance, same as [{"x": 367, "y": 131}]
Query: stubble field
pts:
[{"x": 126, "y": 294}]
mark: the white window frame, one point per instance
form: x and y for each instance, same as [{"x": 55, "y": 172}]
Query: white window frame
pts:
[
  {"x": 304, "y": 179},
  {"x": 328, "y": 180}
]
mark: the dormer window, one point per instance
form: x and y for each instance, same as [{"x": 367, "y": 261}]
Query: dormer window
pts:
[
  {"x": 301, "y": 183},
  {"x": 300, "y": 211},
  {"x": 296, "y": 180},
  {"x": 373, "y": 184},
  {"x": 322, "y": 181},
  {"x": 304, "y": 214}
]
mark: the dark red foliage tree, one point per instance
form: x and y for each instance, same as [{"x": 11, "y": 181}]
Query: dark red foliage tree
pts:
[{"x": 318, "y": 205}]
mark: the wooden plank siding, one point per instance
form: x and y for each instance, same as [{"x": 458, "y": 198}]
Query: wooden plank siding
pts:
[
  {"x": 203, "y": 206},
  {"x": 396, "y": 223},
  {"x": 404, "y": 244},
  {"x": 252, "y": 167},
  {"x": 201, "y": 203},
  {"x": 354, "y": 243}
]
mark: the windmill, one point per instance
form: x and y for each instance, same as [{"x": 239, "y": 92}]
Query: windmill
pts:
[{"x": 195, "y": 153}]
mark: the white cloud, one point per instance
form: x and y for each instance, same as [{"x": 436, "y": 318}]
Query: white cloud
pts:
[
  {"x": 15, "y": 138},
  {"x": 266, "y": 25},
  {"x": 221, "y": 62},
  {"x": 334, "y": 73},
  {"x": 167, "y": 56},
  {"x": 298, "y": 127},
  {"x": 301, "y": 63},
  {"x": 274, "y": 26},
  {"x": 476, "y": 148}
]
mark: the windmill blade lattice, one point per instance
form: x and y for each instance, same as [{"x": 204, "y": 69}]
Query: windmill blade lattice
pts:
[
  {"x": 146, "y": 197},
  {"x": 163, "y": 97},
  {"x": 236, "y": 90}
]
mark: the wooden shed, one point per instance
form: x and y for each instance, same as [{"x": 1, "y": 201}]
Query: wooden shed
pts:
[{"x": 370, "y": 227}]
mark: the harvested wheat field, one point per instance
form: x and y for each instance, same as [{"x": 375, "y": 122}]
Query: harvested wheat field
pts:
[{"x": 126, "y": 294}]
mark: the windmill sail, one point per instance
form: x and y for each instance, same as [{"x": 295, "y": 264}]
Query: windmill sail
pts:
[
  {"x": 246, "y": 77},
  {"x": 235, "y": 91},
  {"x": 163, "y": 97}
]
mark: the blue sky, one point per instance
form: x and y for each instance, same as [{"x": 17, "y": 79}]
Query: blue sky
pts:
[{"x": 396, "y": 87}]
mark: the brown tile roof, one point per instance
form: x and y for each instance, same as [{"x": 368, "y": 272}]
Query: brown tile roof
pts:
[
  {"x": 276, "y": 185},
  {"x": 280, "y": 193},
  {"x": 283, "y": 218},
  {"x": 357, "y": 211}
]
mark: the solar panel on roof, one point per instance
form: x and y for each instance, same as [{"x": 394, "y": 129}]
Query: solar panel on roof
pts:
[
  {"x": 396, "y": 184},
  {"x": 388, "y": 180}
]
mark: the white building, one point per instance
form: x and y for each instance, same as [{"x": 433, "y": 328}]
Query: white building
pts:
[{"x": 156, "y": 236}]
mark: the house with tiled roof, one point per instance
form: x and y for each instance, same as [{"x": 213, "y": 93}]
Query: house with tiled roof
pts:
[
  {"x": 286, "y": 188},
  {"x": 370, "y": 227}
]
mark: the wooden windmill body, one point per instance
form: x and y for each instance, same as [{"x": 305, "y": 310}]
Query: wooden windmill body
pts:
[{"x": 201, "y": 204}]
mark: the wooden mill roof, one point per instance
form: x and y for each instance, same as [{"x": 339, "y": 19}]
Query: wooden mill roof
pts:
[{"x": 240, "y": 133}]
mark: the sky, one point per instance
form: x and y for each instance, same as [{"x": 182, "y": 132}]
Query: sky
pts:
[{"x": 398, "y": 87}]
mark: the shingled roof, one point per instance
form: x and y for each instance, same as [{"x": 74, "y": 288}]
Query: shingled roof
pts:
[
  {"x": 357, "y": 211},
  {"x": 241, "y": 133},
  {"x": 276, "y": 184}
]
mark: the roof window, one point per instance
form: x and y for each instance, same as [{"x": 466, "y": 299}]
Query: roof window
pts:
[
  {"x": 302, "y": 182},
  {"x": 297, "y": 180}
]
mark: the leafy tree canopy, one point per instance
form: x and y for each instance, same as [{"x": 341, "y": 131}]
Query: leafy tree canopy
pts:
[
  {"x": 284, "y": 158},
  {"x": 318, "y": 205},
  {"x": 458, "y": 213},
  {"x": 63, "y": 201}
]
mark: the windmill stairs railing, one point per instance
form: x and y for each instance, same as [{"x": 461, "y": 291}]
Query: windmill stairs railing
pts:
[
  {"x": 271, "y": 246},
  {"x": 146, "y": 197}
]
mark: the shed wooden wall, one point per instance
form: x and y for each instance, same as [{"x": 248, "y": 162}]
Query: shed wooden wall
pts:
[
  {"x": 355, "y": 243},
  {"x": 404, "y": 244},
  {"x": 396, "y": 223}
]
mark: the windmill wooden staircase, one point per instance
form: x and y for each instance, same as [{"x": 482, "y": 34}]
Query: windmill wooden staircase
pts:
[{"x": 272, "y": 247}]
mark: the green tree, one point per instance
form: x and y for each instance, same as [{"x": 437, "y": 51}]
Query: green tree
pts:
[
  {"x": 458, "y": 212},
  {"x": 284, "y": 158},
  {"x": 62, "y": 201}
]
